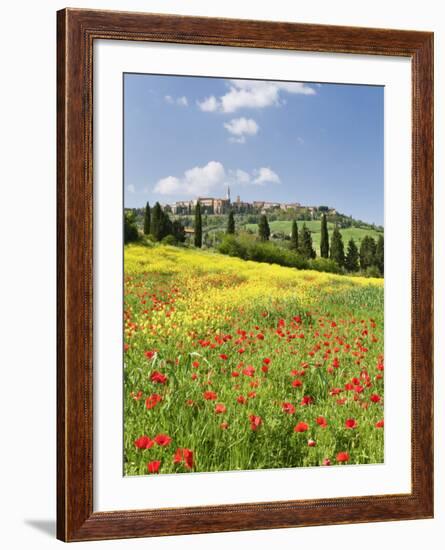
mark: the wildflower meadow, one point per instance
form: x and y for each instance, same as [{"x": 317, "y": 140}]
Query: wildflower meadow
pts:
[{"x": 238, "y": 365}]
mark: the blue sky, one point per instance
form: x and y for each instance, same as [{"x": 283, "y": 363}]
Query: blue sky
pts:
[{"x": 315, "y": 144}]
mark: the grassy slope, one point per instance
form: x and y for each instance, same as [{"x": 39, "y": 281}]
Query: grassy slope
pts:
[{"x": 314, "y": 226}]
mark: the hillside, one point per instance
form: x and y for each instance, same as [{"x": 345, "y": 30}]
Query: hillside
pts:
[{"x": 314, "y": 227}]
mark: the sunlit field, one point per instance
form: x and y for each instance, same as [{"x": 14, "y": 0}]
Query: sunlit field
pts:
[{"x": 237, "y": 365}]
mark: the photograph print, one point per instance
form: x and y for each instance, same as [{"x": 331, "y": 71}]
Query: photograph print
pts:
[{"x": 253, "y": 317}]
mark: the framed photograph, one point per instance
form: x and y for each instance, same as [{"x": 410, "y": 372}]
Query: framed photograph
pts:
[{"x": 245, "y": 275}]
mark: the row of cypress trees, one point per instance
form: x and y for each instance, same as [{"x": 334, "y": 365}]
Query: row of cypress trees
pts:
[
  {"x": 301, "y": 242},
  {"x": 371, "y": 253},
  {"x": 158, "y": 224}
]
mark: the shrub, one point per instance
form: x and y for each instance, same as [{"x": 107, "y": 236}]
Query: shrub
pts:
[
  {"x": 372, "y": 271},
  {"x": 325, "y": 264},
  {"x": 169, "y": 239},
  {"x": 231, "y": 246},
  {"x": 270, "y": 253},
  {"x": 265, "y": 252}
]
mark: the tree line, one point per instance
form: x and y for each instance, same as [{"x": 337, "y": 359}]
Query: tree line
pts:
[
  {"x": 157, "y": 225},
  {"x": 369, "y": 257}
]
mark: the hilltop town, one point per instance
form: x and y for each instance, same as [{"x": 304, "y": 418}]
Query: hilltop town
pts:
[{"x": 211, "y": 205}]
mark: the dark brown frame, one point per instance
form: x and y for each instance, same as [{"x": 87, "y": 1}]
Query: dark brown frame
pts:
[{"x": 77, "y": 30}]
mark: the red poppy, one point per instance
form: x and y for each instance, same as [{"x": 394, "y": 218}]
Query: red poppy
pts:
[
  {"x": 326, "y": 462},
  {"x": 241, "y": 399},
  {"x": 307, "y": 400},
  {"x": 163, "y": 440},
  {"x": 195, "y": 364},
  {"x": 375, "y": 398},
  {"x": 223, "y": 356},
  {"x": 255, "y": 422},
  {"x": 224, "y": 425},
  {"x": 249, "y": 371},
  {"x": 158, "y": 377},
  {"x": 301, "y": 427},
  {"x": 379, "y": 424},
  {"x": 297, "y": 383},
  {"x": 288, "y": 408},
  {"x": 220, "y": 408},
  {"x": 153, "y": 400},
  {"x": 343, "y": 456},
  {"x": 184, "y": 455},
  {"x": 266, "y": 361},
  {"x": 235, "y": 373},
  {"x": 144, "y": 442},
  {"x": 351, "y": 423},
  {"x": 321, "y": 421},
  {"x": 265, "y": 368},
  {"x": 260, "y": 336},
  {"x": 150, "y": 354},
  {"x": 210, "y": 395},
  {"x": 153, "y": 466},
  {"x": 311, "y": 443}
]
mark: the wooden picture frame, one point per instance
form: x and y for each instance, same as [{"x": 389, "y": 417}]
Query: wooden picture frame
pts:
[{"x": 77, "y": 31}]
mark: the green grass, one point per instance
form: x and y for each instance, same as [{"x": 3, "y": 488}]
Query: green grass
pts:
[{"x": 355, "y": 233}]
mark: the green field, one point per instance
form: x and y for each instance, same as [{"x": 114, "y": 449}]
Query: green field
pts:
[{"x": 356, "y": 233}]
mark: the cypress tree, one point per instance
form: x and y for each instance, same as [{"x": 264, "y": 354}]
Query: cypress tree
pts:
[
  {"x": 178, "y": 231},
  {"x": 198, "y": 226},
  {"x": 130, "y": 228},
  {"x": 166, "y": 225},
  {"x": 367, "y": 252},
  {"x": 231, "y": 224},
  {"x": 352, "y": 257},
  {"x": 294, "y": 236},
  {"x": 324, "y": 239},
  {"x": 263, "y": 228},
  {"x": 305, "y": 243},
  {"x": 337, "y": 248},
  {"x": 147, "y": 221},
  {"x": 380, "y": 254},
  {"x": 156, "y": 222}
]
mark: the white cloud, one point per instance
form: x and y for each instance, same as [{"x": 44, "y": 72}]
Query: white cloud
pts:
[
  {"x": 131, "y": 188},
  {"x": 265, "y": 175},
  {"x": 197, "y": 181},
  {"x": 253, "y": 94},
  {"x": 240, "y": 127},
  {"x": 181, "y": 101},
  {"x": 208, "y": 104},
  {"x": 239, "y": 176},
  {"x": 212, "y": 178}
]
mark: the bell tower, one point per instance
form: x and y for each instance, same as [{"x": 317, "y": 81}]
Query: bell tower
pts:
[{"x": 228, "y": 193}]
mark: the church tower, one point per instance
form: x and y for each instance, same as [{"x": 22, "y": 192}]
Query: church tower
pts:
[{"x": 228, "y": 193}]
